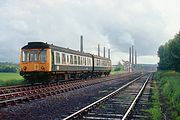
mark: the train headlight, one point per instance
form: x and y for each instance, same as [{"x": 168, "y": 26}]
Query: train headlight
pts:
[
  {"x": 42, "y": 68},
  {"x": 24, "y": 68}
]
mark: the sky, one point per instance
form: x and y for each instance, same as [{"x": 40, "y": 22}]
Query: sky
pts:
[{"x": 114, "y": 24}]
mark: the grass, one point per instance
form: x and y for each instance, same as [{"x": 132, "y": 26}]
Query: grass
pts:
[
  {"x": 169, "y": 86},
  {"x": 116, "y": 72},
  {"x": 7, "y": 79},
  {"x": 155, "y": 110}
]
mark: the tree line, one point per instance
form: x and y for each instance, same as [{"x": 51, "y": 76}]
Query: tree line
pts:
[
  {"x": 169, "y": 54},
  {"x": 9, "y": 67},
  {"x": 119, "y": 67}
]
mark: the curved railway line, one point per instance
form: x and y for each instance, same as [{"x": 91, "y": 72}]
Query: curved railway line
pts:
[
  {"x": 119, "y": 104},
  {"x": 19, "y": 94}
]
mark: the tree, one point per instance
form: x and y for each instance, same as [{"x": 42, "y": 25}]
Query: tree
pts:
[
  {"x": 119, "y": 67},
  {"x": 169, "y": 54},
  {"x": 8, "y": 67}
]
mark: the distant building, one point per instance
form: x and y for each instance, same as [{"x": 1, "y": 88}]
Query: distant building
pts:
[{"x": 127, "y": 66}]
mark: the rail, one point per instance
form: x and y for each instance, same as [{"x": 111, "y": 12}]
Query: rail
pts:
[
  {"x": 135, "y": 99},
  {"x": 85, "y": 109}
]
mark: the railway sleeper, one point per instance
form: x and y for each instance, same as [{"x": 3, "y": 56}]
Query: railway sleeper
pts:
[{"x": 58, "y": 90}]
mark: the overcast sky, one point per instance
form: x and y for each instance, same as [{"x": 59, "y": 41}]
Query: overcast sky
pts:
[{"x": 115, "y": 24}]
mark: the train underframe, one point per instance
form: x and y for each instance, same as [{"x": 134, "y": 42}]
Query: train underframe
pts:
[{"x": 47, "y": 77}]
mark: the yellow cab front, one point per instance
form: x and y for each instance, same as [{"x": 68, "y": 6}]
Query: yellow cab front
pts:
[{"x": 35, "y": 60}]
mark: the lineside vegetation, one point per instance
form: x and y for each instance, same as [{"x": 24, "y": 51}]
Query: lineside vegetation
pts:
[
  {"x": 168, "y": 78},
  {"x": 155, "y": 109},
  {"x": 9, "y": 67},
  {"x": 168, "y": 92},
  {"x": 169, "y": 54}
]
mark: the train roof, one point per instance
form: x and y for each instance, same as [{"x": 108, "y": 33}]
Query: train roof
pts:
[
  {"x": 99, "y": 57},
  {"x": 34, "y": 45},
  {"x": 67, "y": 50}
]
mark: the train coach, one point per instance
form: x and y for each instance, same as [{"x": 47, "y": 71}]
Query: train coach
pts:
[{"x": 42, "y": 62}]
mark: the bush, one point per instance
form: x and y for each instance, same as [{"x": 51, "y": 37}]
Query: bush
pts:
[
  {"x": 117, "y": 69},
  {"x": 169, "y": 82}
]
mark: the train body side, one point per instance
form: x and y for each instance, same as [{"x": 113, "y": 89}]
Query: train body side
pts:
[
  {"x": 101, "y": 65},
  {"x": 42, "y": 61},
  {"x": 66, "y": 61}
]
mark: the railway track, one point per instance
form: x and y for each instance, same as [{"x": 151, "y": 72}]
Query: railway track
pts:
[
  {"x": 119, "y": 104},
  {"x": 18, "y": 88},
  {"x": 20, "y": 94},
  {"x": 143, "y": 104}
]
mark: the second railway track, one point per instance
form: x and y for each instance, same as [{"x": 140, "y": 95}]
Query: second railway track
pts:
[{"x": 117, "y": 105}]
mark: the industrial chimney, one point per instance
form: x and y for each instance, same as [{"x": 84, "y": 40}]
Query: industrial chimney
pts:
[
  {"x": 98, "y": 50},
  {"x": 104, "y": 52},
  {"x": 135, "y": 57},
  {"x": 81, "y": 44},
  {"x": 109, "y": 53},
  {"x": 130, "y": 55}
]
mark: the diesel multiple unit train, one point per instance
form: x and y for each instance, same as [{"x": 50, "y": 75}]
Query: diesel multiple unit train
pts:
[{"x": 42, "y": 62}]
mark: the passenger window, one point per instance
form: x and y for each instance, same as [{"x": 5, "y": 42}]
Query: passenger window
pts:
[
  {"x": 67, "y": 58},
  {"x": 71, "y": 59},
  {"x": 43, "y": 56},
  {"x": 88, "y": 61},
  {"x": 75, "y": 59},
  {"x": 34, "y": 56},
  {"x": 79, "y": 60},
  {"x": 25, "y": 56},
  {"x": 85, "y": 61},
  {"x": 57, "y": 58},
  {"x": 95, "y": 62},
  {"x": 63, "y": 58}
]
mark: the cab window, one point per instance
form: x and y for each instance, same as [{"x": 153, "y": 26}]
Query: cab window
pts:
[
  {"x": 25, "y": 56},
  {"x": 33, "y": 55},
  {"x": 43, "y": 56}
]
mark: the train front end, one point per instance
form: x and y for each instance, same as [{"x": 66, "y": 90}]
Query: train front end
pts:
[{"x": 35, "y": 62}]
